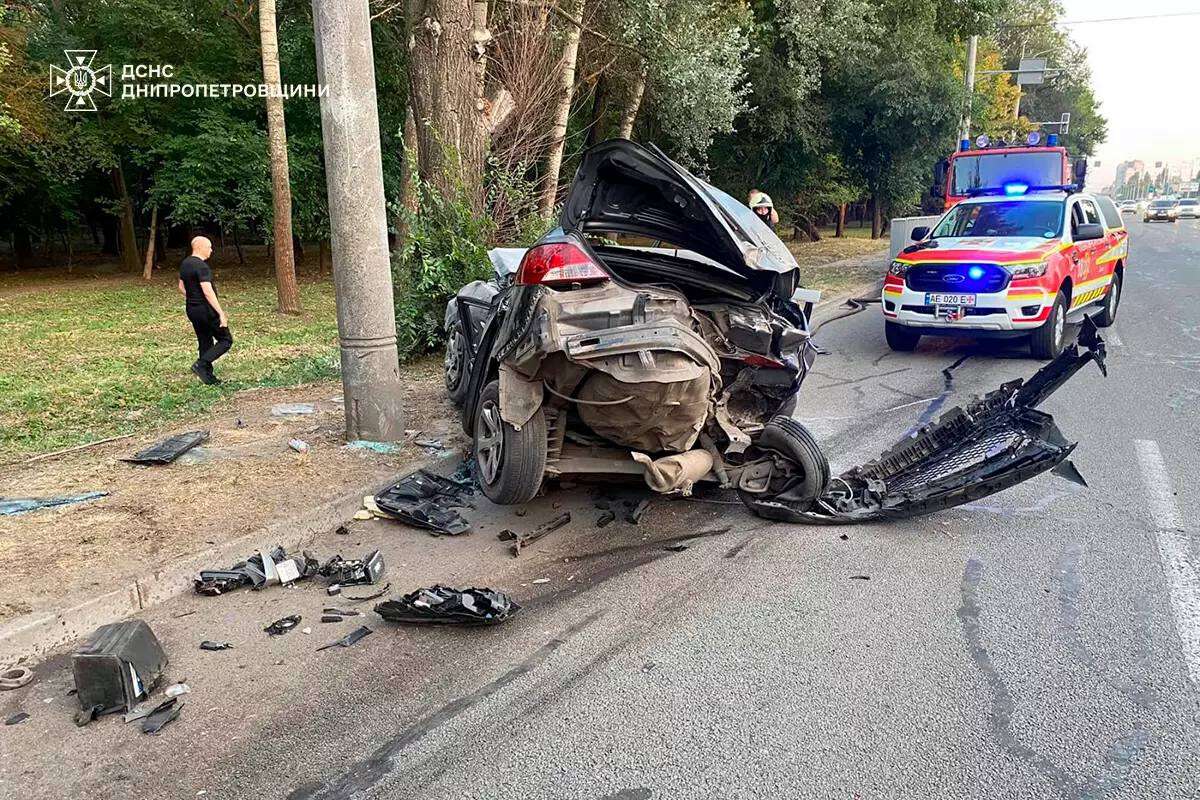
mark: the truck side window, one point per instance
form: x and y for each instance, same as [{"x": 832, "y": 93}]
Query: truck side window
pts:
[{"x": 1077, "y": 217}]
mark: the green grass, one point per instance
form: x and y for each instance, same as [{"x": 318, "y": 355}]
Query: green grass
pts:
[{"x": 87, "y": 358}]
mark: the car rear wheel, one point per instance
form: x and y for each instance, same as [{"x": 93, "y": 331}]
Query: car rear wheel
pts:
[
  {"x": 899, "y": 337},
  {"x": 457, "y": 377},
  {"x": 1047, "y": 341},
  {"x": 801, "y": 485},
  {"x": 511, "y": 463},
  {"x": 1108, "y": 311}
]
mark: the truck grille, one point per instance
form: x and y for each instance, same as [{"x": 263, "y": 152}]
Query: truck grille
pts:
[{"x": 955, "y": 278}]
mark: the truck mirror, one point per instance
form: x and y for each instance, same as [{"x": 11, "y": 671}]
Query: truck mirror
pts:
[
  {"x": 940, "y": 170},
  {"x": 919, "y": 233},
  {"x": 1080, "y": 172},
  {"x": 1087, "y": 231}
]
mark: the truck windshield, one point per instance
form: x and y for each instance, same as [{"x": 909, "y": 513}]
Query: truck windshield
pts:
[
  {"x": 993, "y": 170},
  {"x": 1041, "y": 218}
]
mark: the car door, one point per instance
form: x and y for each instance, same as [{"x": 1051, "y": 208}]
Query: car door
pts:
[{"x": 1084, "y": 254}]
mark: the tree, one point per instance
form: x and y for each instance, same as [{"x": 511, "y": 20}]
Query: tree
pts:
[
  {"x": 287, "y": 292},
  {"x": 574, "y": 16}
]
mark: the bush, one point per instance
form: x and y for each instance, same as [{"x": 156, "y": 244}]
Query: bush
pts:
[{"x": 446, "y": 248}]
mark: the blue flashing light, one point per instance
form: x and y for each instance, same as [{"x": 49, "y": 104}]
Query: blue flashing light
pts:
[
  {"x": 1014, "y": 189},
  {"x": 1052, "y": 139},
  {"x": 965, "y": 144},
  {"x": 975, "y": 273}
]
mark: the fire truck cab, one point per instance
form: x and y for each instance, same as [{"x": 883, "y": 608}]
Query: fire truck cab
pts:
[{"x": 992, "y": 164}]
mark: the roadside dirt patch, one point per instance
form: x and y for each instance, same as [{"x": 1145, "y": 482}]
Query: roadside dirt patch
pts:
[{"x": 245, "y": 476}]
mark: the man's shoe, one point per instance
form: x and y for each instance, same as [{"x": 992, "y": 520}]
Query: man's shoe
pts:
[{"x": 205, "y": 376}]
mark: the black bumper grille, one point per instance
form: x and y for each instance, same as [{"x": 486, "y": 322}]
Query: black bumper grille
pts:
[{"x": 957, "y": 278}]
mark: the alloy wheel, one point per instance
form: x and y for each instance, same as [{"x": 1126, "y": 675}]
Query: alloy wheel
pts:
[{"x": 489, "y": 444}]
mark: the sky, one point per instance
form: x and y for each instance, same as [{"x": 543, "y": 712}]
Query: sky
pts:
[{"x": 1146, "y": 74}]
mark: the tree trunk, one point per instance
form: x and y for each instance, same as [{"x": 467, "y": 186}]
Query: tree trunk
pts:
[
  {"x": 22, "y": 247},
  {"x": 876, "y": 217},
  {"x": 840, "y": 226},
  {"x": 237, "y": 246},
  {"x": 129, "y": 246},
  {"x": 447, "y": 46},
  {"x": 287, "y": 292},
  {"x": 805, "y": 224},
  {"x": 151, "y": 244},
  {"x": 408, "y": 193},
  {"x": 635, "y": 103},
  {"x": 321, "y": 248},
  {"x": 562, "y": 112},
  {"x": 593, "y": 134}
]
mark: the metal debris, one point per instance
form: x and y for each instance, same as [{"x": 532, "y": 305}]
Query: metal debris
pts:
[
  {"x": 387, "y": 587},
  {"x": 355, "y": 572},
  {"x": 256, "y": 572},
  {"x": 282, "y": 626},
  {"x": 443, "y": 605},
  {"x": 16, "y": 718},
  {"x": 164, "y": 712},
  {"x": 167, "y": 450},
  {"x": 214, "y": 646},
  {"x": 341, "y": 612},
  {"x": 349, "y": 639},
  {"x": 427, "y": 500},
  {"x": 519, "y": 541},
  {"x": 12, "y": 506}
]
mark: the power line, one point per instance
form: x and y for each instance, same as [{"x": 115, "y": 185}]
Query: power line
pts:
[{"x": 1169, "y": 15}]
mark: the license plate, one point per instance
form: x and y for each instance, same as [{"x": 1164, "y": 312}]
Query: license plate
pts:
[{"x": 943, "y": 299}]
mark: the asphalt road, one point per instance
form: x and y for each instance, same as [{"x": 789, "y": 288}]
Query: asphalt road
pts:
[{"x": 1044, "y": 642}]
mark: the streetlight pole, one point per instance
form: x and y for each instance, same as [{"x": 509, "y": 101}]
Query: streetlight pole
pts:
[
  {"x": 362, "y": 277},
  {"x": 972, "y": 49}
]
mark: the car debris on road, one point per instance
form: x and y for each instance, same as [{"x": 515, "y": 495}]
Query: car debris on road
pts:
[
  {"x": 520, "y": 541},
  {"x": 15, "y": 678},
  {"x": 215, "y": 646},
  {"x": 257, "y": 571},
  {"x": 283, "y": 625},
  {"x": 349, "y": 639},
  {"x": 11, "y": 506},
  {"x": 165, "y": 712},
  {"x": 120, "y": 664},
  {"x": 428, "y": 500},
  {"x": 444, "y": 605},
  {"x": 354, "y": 572}
]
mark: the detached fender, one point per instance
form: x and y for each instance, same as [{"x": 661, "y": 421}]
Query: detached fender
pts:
[{"x": 520, "y": 398}]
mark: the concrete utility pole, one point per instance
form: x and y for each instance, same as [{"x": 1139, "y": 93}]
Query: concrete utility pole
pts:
[
  {"x": 972, "y": 47},
  {"x": 362, "y": 277}
]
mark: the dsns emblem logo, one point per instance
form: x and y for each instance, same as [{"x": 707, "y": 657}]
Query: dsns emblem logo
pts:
[{"x": 79, "y": 80}]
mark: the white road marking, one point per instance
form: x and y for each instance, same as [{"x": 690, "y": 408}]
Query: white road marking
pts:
[{"x": 1174, "y": 552}]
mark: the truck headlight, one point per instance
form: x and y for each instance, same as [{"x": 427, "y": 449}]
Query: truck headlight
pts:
[
  {"x": 898, "y": 268},
  {"x": 1029, "y": 270}
]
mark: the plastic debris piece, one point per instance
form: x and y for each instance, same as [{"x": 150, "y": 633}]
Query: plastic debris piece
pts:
[
  {"x": 165, "y": 712},
  {"x": 256, "y": 572},
  {"x": 341, "y": 612},
  {"x": 15, "y": 678},
  {"x": 333, "y": 589},
  {"x": 299, "y": 445},
  {"x": 427, "y": 500},
  {"x": 355, "y": 572},
  {"x": 292, "y": 409},
  {"x": 539, "y": 581},
  {"x": 387, "y": 587},
  {"x": 635, "y": 515},
  {"x": 16, "y": 718},
  {"x": 383, "y": 448},
  {"x": 176, "y": 689},
  {"x": 860, "y": 577},
  {"x": 349, "y": 639},
  {"x": 444, "y": 605},
  {"x": 167, "y": 450},
  {"x": 332, "y": 618},
  {"x": 342, "y": 530},
  {"x": 214, "y": 646},
  {"x": 86, "y": 715},
  {"x": 119, "y": 664},
  {"x": 605, "y": 518},
  {"x": 282, "y": 626},
  {"x": 520, "y": 541},
  {"x": 676, "y": 548},
  {"x": 13, "y": 506},
  {"x": 306, "y": 631}
]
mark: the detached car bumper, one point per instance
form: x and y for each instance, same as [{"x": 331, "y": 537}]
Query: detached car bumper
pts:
[{"x": 1013, "y": 310}]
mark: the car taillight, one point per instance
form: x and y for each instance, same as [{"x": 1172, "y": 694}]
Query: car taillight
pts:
[
  {"x": 558, "y": 263},
  {"x": 756, "y": 360}
]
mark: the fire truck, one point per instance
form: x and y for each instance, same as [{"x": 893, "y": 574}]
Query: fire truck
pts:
[{"x": 991, "y": 164}]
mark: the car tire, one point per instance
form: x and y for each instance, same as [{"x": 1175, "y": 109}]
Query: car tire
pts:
[
  {"x": 793, "y": 441},
  {"x": 510, "y": 463},
  {"x": 1047, "y": 341},
  {"x": 900, "y": 338},
  {"x": 1108, "y": 309},
  {"x": 457, "y": 369}
]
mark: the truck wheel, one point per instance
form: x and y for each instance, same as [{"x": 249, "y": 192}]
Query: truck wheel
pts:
[
  {"x": 1047, "y": 341},
  {"x": 457, "y": 369},
  {"x": 511, "y": 462},
  {"x": 1108, "y": 311},
  {"x": 788, "y": 438},
  {"x": 899, "y": 337}
]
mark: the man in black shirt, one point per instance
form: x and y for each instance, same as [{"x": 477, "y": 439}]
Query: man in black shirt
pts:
[{"x": 204, "y": 309}]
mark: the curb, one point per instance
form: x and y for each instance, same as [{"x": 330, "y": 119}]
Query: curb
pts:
[{"x": 33, "y": 635}]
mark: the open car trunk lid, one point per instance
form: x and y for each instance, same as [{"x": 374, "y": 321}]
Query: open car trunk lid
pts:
[{"x": 622, "y": 187}]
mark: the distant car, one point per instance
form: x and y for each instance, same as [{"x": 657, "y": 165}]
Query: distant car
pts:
[
  {"x": 1161, "y": 210},
  {"x": 1129, "y": 206},
  {"x": 1188, "y": 207}
]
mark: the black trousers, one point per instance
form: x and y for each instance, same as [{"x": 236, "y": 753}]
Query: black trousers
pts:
[{"x": 212, "y": 341}]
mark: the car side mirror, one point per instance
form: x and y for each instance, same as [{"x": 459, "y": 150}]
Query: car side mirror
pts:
[
  {"x": 918, "y": 233},
  {"x": 1088, "y": 231}
]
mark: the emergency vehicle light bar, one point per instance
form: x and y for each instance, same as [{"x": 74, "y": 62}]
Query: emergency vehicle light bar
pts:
[{"x": 982, "y": 191}]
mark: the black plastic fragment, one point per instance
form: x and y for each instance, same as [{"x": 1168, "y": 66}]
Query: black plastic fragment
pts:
[
  {"x": 387, "y": 587},
  {"x": 169, "y": 449},
  {"x": 17, "y": 718},
  {"x": 118, "y": 665},
  {"x": 427, "y": 500},
  {"x": 332, "y": 618},
  {"x": 444, "y": 605},
  {"x": 860, "y": 577},
  {"x": 164, "y": 712},
  {"x": 349, "y": 639},
  {"x": 355, "y": 572},
  {"x": 635, "y": 514},
  {"x": 207, "y": 645},
  {"x": 676, "y": 548},
  {"x": 605, "y": 518},
  {"x": 252, "y": 572},
  {"x": 86, "y": 715},
  {"x": 282, "y": 626},
  {"x": 341, "y": 612},
  {"x": 520, "y": 541}
]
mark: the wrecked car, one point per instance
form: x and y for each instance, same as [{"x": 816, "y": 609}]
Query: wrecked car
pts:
[{"x": 658, "y": 332}]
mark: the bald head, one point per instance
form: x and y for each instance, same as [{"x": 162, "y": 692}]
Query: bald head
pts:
[{"x": 201, "y": 247}]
